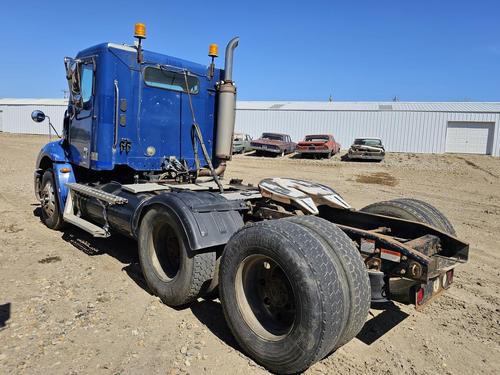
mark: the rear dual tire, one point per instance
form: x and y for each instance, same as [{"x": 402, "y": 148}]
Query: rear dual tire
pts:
[
  {"x": 414, "y": 210},
  {"x": 289, "y": 295},
  {"x": 172, "y": 271}
]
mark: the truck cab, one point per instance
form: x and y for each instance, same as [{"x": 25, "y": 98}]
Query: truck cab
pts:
[{"x": 126, "y": 113}]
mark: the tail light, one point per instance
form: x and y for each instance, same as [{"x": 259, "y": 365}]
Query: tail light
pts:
[{"x": 420, "y": 296}]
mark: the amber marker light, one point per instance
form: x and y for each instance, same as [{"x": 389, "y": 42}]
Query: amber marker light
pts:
[
  {"x": 140, "y": 30},
  {"x": 213, "y": 50}
]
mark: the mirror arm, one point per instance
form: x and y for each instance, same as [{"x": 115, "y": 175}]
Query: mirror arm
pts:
[{"x": 52, "y": 126}]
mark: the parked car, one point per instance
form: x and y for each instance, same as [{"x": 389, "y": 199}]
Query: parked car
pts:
[
  {"x": 274, "y": 143},
  {"x": 241, "y": 143},
  {"x": 323, "y": 145},
  {"x": 367, "y": 148}
]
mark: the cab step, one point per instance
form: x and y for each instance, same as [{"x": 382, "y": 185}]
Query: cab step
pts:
[
  {"x": 103, "y": 196},
  {"x": 87, "y": 226},
  {"x": 106, "y": 199}
]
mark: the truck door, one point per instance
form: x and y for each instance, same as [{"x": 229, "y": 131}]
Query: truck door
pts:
[{"x": 82, "y": 82}]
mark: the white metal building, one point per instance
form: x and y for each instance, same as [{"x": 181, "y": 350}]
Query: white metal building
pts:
[
  {"x": 15, "y": 115},
  {"x": 468, "y": 127},
  {"x": 404, "y": 127}
]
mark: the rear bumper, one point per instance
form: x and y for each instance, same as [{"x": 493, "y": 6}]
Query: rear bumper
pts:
[
  {"x": 423, "y": 294},
  {"x": 299, "y": 151},
  {"x": 268, "y": 149},
  {"x": 366, "y": 156}
]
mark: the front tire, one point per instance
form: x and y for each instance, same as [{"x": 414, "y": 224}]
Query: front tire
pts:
[
  {"x": 172, "y": 271},
  {"x": 51, "y": 214},
  {"x": 282, "y": 295}
]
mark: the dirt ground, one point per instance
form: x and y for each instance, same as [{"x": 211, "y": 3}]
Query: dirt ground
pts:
[{"x": 71, "y": 304}]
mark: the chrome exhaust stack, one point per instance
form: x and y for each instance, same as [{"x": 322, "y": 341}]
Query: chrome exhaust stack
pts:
[{"x": 226, "y": 107}]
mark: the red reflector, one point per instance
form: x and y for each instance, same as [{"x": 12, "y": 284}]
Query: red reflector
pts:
[
  {"x": 65, "y": 170},
  {"x": 420, "y": 296}
]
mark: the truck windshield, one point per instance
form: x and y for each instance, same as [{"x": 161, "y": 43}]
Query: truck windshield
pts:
[
  {"x": 169, "y": 80},
  {"x": 368, "y": 142}
]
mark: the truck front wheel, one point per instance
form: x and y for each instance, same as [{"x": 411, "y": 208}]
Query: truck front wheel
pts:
[
  {"x": 172, "y": 271},
  {"x": 51, "y": 214}
]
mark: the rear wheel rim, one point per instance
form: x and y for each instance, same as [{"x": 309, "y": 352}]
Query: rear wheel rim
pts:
[
  {"x": 48, "y": 199},
  {"x": 265, "y": 297},
  {"x": 165, "y": 251}
]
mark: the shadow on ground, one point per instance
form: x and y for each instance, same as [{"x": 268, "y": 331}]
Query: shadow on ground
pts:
[
  {"x": 4, "y": 314},
  {"x": 119, "y": 247},
  {"x": 346, "y": 159},
  {"x": 381, "y": 323},
  {"x": 123, "y": 249},
  {"x": 262, "y": 154},
  {"x": 208, "y": 312}
]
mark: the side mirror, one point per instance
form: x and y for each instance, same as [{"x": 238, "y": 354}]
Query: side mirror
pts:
[{"x": 37, "y": 116}]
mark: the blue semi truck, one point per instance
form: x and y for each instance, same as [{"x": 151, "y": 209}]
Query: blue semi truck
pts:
[{"x": 146, "y": 140}]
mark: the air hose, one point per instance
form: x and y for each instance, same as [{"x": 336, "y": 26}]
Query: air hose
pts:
[{"x": 197, "y": 136}]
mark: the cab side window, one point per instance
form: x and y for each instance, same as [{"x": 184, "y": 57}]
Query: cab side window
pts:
[{"x": 87, "y": 80}]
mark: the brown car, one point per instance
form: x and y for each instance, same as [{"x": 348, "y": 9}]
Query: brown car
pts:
[
  {"x": 273, "y": 144},
  {"x": 322, "y": 145}
]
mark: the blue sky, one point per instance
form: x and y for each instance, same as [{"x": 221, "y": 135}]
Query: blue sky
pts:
[{"x": 289, "y": 50}]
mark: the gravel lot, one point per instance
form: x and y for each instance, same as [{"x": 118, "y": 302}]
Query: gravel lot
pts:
[{"x": 77, "y": 305}]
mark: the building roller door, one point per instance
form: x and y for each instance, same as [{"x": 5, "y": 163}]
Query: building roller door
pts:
[{"x": 470, "y": 137}]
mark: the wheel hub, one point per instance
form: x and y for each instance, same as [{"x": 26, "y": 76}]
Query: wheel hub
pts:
[
  {"x": 48, "y": 199},
  {"x": 265, "y": 297},
  {"x": 165, "y": 253}
]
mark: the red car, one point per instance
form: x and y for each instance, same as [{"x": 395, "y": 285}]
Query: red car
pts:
[
  {"x": 273, "y": 144},
  {"x": 318, "y": 145}
]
